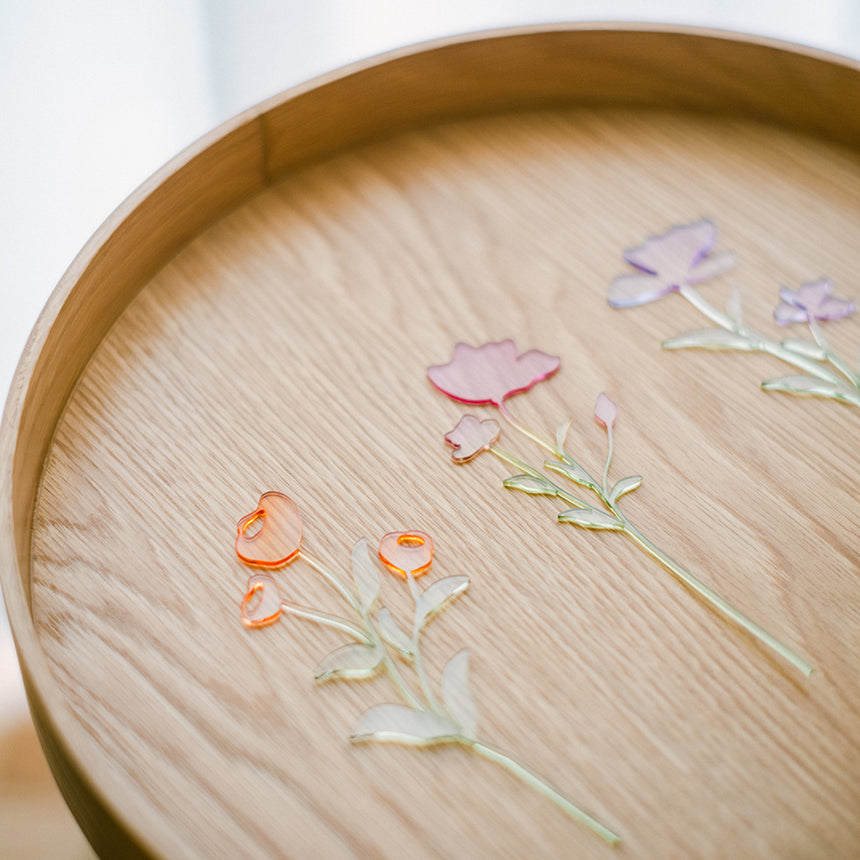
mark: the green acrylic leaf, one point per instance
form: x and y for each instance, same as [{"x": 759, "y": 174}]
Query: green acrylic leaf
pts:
[
  {"x": 625, "y": 485},
  {"x": 810, "y": 385},
  {"x": 440, "y": 593},
  {"x": 734, "y": 306},
  {"x": 590, "y": 518},
  {"x": 457, "y": 695},
  {"x": 350, "y": 661},
  {"x": 806, "y": 348},
  {"x": 530, "y": 484},
  {"x": 365, "y": 574},
  {"x": 561, "y": 435},
  {"x": 392, "y": 634},
  {"x": 399, "y": 724},
  {"x": 571, "y": 470},
  {"x": 708, "y": 338}
]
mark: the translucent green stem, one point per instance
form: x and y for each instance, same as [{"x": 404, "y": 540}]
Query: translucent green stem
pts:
[
  {"x": 807, "y": 364},
  {"x": 559, "y": 492},
  {"x": 333, "y": 580},
  {"x": 537, "y": 782},
  {"x": 369, "y": 635},
  {"x": 511, "y": 460},
  {"x": 608, "y": 461},
  {"x": 843, "y": 367},
  {"x": 691, "y": 581},
  {"x": 327, "y": 620},
  {"x": 714, "y": 599},
  {"x": 706, "y": 308},
  {"x": 397, "y": 679},
  {"x": 757, "y": 342},
  {"x": 652, "y": 549},
  {"x": 393, "y": 672},
  {"x": 521, "y": 428}
]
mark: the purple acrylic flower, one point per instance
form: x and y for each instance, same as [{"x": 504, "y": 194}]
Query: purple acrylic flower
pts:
[
  {"x": 813, "y": 301},
  {"x": 678, "y": 257}
]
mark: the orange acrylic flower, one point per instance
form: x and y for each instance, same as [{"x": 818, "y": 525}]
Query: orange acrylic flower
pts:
[
  {"x": 491, "y": 372},
  {"x": 270, "y": 536},
  {"x": 472, "y": 437},
  {"x": 262, "y": 604},
  {"x": 407, "y": 553}
]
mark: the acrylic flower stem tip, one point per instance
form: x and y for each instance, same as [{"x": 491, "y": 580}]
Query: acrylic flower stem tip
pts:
[
  {"x": 537, "y": 782},
  {"x": 605, "y": 414},
  {"x": 719, "y": 603}
]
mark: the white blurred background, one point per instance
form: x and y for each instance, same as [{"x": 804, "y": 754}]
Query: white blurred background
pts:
[{"x": 96, "y": 95}]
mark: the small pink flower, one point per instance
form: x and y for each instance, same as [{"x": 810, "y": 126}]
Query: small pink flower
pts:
[
  {"x": 605, "y": 411},
  {"x": 813, "y": 301},
  {"x": 471, "y": 437},
  {"x": 678, "y": 257},
  {"x": 491, "y": 372}
]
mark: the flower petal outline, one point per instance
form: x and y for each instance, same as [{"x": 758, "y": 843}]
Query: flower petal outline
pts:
[
  {"x": 492, "y": 372},
  {"x": 667, "y": 261},
  {"x": 812, "y": 301},
  {"x": 472, "y": 437}
]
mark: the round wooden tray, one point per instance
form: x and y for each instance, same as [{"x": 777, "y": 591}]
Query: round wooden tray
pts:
[{"x": 260, "y": 316}]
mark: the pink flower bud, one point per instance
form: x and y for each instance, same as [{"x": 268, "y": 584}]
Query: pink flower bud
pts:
[{"x": 605, "y": 411}]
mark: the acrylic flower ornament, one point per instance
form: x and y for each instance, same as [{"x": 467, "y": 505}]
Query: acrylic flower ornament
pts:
[
  {"x": 491, "y": 372},
  {"x": 812, "y": 301},
  {"x": 262, "y": 603},
  {"x": 680, "y": 257},
  {"x": 668, "y": 262},
  {"x": 471, "y": 437},
  {"x": 406, "y": 553},
  {"x": 605, "y": 411},
  {"x": 380, "y": 644},
  {"x": 600, "y": 511},
  {"x": 270, "y": 536}
]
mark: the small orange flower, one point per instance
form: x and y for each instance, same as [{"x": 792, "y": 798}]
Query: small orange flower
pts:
[
  {"x": 406, "y": 553},
  {"x": 278, "y": 539},
  {"x": 472, "y": 437},
  {"x": 262, "y": 604}
]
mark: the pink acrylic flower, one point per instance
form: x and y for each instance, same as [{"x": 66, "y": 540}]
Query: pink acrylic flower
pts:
[
  {"x": 472, "y": 437},
  {"x": 605, "y": 411},
  {"x": 813, "y": 301},
  {"x": 491, "y": 372},
  {"x": 678, "y": 257}
]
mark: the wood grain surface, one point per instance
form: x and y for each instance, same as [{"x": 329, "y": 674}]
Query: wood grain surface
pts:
[{"x": 285, "y": 348}]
